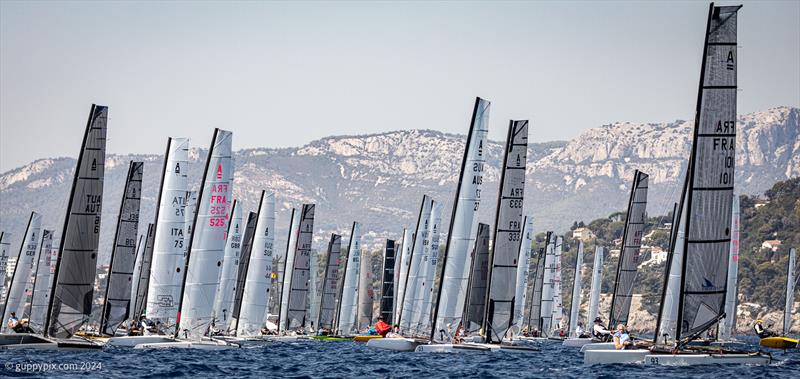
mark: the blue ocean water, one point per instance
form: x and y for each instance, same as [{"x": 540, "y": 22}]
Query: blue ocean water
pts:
[{"x": 320, "y": 359}]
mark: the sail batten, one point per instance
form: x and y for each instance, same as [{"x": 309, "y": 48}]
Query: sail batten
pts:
[{"x": 76, "y": 265}]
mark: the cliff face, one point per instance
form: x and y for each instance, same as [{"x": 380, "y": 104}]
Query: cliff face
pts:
[{"x": 379, "y": 179}]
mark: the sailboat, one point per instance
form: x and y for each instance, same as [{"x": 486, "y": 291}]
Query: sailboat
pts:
[
  {"x": 387, "y": 302},
  {"x": 141, "y": 275},
  {"x": 423, "y": 295},
  {"x": 628, "y": 263},
  {"x": 40, "y": 297},
  {"x": 556, "y": 319},
  {"x": 365, "y": 293},
  {"x": 348, "y": 306},
  {"x": 285, "y": 277},
  {"x": 23, "y": 270},
  {"x": 70, "y": 304},
  {"x": 298, "y": 287},
  {"x": 706, "y": 207},
  {"x": 205, "y": 251},
  {"x": 454, "y": 277},
  {"x": 4, "y": 248},
  {"x": 223, "y": 301},
  {"x": 477, "y": 287},
  {"x": 535, "y": 322},
  {"x": 165, "y": 250},
  {"x": 330, "y": 283},
  {"x": 404, "y": 263},
  {"x": 116, "y": 304},
  {"x": 241, "y": 273},
  {"x": 574, "y": 338},
  {"x": 785, "y": 342},
  {"x": 594, "y": 298}
]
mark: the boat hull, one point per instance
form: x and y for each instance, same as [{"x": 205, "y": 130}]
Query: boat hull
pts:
[
  {"x": 466, "y": 347},
  {"x": 131, "y": 341},
  {"x": 779, "y": 342},
  {"x": 576, "y": 342},
  {"x": 331, "y": 338},
  {"x": 394, "y": 344},
  {"x": 199, "y": 345},
  {"x": 594, "y": 357},
  {"x": 34, "y": 341},
  {"x": 598, "y": 346},
  {"x": 706, "y": 359},
  {"x": 365, "y": 338}
]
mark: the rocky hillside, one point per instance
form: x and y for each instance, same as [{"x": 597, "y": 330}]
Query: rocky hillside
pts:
[{"x": 379, "y": 179}]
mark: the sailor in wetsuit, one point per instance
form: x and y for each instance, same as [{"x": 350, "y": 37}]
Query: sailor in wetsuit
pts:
[
  {"x": 763, "y": 332},
  {"x": 599, "y": 331}
]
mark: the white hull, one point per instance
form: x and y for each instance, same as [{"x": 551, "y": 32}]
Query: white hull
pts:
[
  {"x": 598, "y": 346},
  {"x": 576, "y": 342},
  {"x": 594, "y": 357},
  {"x": 466, "y": 347},
  {"x": 394, "y": 344},
  {"x": 199, "y": 345},
  {"x": 705, "y": 359},
  {"x": 131, "y": 341},
  {"x": 522, "y": 338}
]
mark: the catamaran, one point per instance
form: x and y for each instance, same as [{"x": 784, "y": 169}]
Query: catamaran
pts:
[
  {"x": 205, "y": 251},
  {"x": 160, "y": 285},
  {"x": 285, "y": 277},
  {"x": 523, "y": 269},
  {"x": 785, "y": 342},
  {"x": 535, "y": 322},
  {"x": 116, "y": 304},
  {"x": 223, "y": 301},
  {"x": 24, "y": 269},
  {"x": 577, "y": 337},
  {"x": 348, "y": 306}
]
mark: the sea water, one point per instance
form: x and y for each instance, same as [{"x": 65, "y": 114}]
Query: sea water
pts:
[{"x": 312, "y": 359}]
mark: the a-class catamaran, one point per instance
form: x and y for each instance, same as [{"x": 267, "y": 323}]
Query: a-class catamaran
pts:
[
  {"x": 241, "y": 275},
  {"x": 523, "y": 269},
  {"x": 141, "y": 274},
  {"x": 70, "y": 302},
  {"x": 26, "y": 263},
  {"x": 449, "y": 299},
  {"x": 330, "y": 283},
  {"x": 258, "y": 282},
  {"x": 575, "y": 303},
  {"x": 784, "y": 341},
  {"x": 40, "y": 291},
  {"x": 413, "y": 275},
  {"x": 706, "y": 208},
  {"x": 285, "y": 277},
  {"x": 346, "y": 319},
  {"x": 478, "y": 287},
  {"x": 117, "y": 297},
  {"x": 534, "y": 324},
  {"x": 365, "y": 293},
  {"x": 223, "y": 301},
  {"x": 298, "y": 287},
  {"x": 594, "y": 298},
  {"x": 386, "y": 309},
  {"x": 161, "y": 286},
  {"x": 402, "y": 274},
  {"x": 504, "y": 257},
  {"x": 205, "y": 250}
]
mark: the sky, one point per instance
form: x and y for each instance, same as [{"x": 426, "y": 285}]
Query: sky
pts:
[{"x": 282, "y": 74}]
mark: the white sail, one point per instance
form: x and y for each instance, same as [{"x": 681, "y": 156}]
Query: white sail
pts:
[
  {"x": 286, "y": 278},
  {"x": 4, "y": 249},
  {"x": 142, "y": 278},
  {"x": 546, "y": 309},
  {"x": 558, "y": 310},
  {"x": 576, "y": 293},
  {"x": 137, "y": 273},
  {"x": 597, "y": 279},
  {"x": 728, "y": 326},
  {"x": 41, "y": 286},
  {"x": 405, "y": 264},
  {"x": 523, "y": 269},
  {"x": 790, "y": 282},
  {"x": 411, "y": 297},
  {"x": 424, "y": 322},
  {"x": 223, "y": 301},
  {"x": 26, "y": 261},
  {"x": 168, "y": 264},
  {"x": 207, "y": 246},
  {"x": 349, "y": 299},
  {"x": 669, "y": 313},
  {"x": 314, "y": 299},
  {"x": 365, "y": 293},
  {"x": 460, "y": 239},
  {"x": 258, "y": 283}
]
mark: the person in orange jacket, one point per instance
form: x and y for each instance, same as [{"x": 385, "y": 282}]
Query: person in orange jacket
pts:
[{"x": 382, "y": 327}]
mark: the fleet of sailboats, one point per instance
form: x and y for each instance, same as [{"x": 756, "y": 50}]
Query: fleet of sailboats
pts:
[{"x": 202, "y": 276}]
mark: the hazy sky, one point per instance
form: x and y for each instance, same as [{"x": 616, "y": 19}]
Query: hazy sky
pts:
[{"x": 284, "y": 73}]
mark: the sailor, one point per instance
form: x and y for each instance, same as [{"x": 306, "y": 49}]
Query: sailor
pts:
[
  {"x": 579, "y": 332},
  {"x": 381, "y": 327},
  {"x": 622, "y": 340},
  {"x": 599, "y": 331},
  {"x": 13, "y": 321},
  {"x": 761, "y": 331}
]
